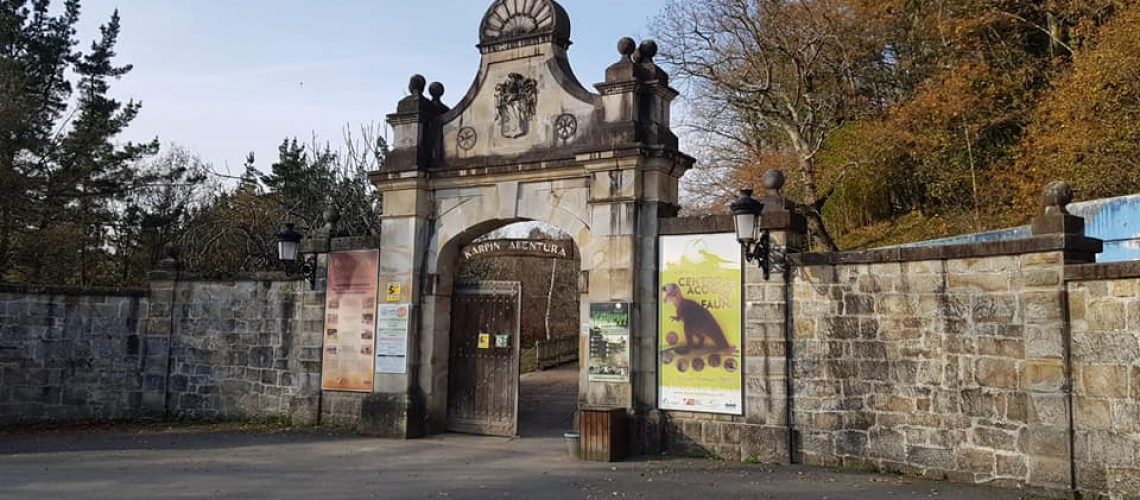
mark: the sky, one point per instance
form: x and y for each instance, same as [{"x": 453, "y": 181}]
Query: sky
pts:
[{"x": 223, "y": 78}]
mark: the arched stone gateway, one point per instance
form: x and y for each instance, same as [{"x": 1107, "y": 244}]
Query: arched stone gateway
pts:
[{"x": 528, "y": 143}]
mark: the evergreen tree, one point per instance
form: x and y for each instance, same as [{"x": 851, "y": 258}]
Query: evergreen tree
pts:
[{"x": 64, "y": 176}]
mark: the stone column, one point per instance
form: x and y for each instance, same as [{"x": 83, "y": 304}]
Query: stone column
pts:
[{"x": 612, "y": 264}]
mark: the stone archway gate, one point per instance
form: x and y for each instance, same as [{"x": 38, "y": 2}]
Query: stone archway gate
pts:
[{"x": 526, "y": 143}]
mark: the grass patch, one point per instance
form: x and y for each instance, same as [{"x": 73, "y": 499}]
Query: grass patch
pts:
[{"x": 916, "y": 226}]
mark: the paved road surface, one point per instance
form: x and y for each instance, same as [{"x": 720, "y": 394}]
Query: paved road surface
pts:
[{"x": 210, "y": 463}]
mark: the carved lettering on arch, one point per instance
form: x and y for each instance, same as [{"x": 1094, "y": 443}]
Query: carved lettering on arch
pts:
[{"x": 516, "y": 101}]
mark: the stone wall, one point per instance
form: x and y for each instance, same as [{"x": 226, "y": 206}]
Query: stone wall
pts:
[
  {"x": 67, "y": 354},
  {"x": 239, "y": 351},
  {"x": 187, "y": 349},
  {"x": 1105, "y": 315},
  {"x": 948, "y": 363},
  {"x": 945, "y": 369}
]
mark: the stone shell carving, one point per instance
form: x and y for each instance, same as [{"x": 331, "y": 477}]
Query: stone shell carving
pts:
[
  {"x": 516, "y": 100},
  {"x": 516, "y": 19}
]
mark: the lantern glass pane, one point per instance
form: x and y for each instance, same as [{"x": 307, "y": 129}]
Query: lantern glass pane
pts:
[
  {"x": 746, "y": 228},
  {"x": 287, "y": 251}
]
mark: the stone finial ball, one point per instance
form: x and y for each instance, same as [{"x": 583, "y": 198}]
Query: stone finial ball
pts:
[
  {"x": 774, "y": 180},
  {"x": 436, "y": 90},
  {"x": 648, "y": 50},
  {"x": 627, "y": 46},
  {"x": 1057, "y": 194},
  {"x": 416, "y": 84}
]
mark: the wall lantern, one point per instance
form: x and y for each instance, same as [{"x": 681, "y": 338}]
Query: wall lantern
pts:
[
  {"x": 757, "y": 242},
  {"x": 289, "y": 251}
]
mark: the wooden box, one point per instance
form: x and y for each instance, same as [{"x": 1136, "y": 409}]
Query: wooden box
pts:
[{"x": 604, "y": 434}]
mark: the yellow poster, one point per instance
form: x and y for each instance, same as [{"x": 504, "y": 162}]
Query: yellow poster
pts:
[
  {"x": 350, "y": 321},
  {"x": 700, "y": 362}
]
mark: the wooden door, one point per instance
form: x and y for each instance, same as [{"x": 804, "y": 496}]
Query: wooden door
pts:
[{"x": 484, "y": 360}]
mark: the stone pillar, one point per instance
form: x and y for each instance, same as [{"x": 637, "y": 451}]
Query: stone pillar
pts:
[
  {"x": 415, "y": 127},
  {"x": 768, "y": 332},
  {"x": 399, "y": 406},
  {"x": 1047, "y": 372},
  {"x": 637, "y": 98},
  {"x": 612, "y": 262},
  {"x": 156, "y": 342},
  {"x": 628, "y": 196}
]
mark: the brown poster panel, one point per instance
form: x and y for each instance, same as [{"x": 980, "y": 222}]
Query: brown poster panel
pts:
[{"x": 350, "y": 321}]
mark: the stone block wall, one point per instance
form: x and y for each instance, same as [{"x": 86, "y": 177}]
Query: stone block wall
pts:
[
  {"x": 342, "y": 409},
  {"x": 958, "y": 363},
  {"x": 1105, "y": 316},
  {"x": 67, "y": 354},
  {"x": 946, "y": 368},
  {"x": 240, "y": 350}
]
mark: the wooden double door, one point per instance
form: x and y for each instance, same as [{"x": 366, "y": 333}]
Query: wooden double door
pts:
[{"x": 483, "y": 371}]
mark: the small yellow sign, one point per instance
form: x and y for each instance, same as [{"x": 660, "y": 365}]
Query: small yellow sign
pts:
[
  {"x": 484, "y": 341},
  {"x": 394, "y": 292}
]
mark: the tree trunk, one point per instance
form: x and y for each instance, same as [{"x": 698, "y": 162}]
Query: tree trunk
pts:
[
  {"x": 815, "y": 201},
  {"x": 819, "y": 230},
  {"x": 7, "y": 214},
  {"x": 6, "y": 235}
]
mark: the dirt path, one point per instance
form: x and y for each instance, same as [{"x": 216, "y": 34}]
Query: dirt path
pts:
[{"x": 548, "y": 401}]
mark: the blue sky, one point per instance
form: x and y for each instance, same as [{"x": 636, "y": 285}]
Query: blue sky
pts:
[{"x": 225, "y": 77}]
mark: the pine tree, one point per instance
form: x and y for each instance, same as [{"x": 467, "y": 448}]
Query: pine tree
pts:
[{"x": 63, "y": 174}]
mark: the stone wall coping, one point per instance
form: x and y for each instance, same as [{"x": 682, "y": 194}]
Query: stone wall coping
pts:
[
  {"x": 339, "y": 244},
  {"x": 1105, "y": 271},
  {"x": 1037, "y": 244},
  {"x": 343, "y": 244},
  {"x": 250, "y": 276},
  {"x": 74, "y": 291},
  {"x": 702, "y": 224}
]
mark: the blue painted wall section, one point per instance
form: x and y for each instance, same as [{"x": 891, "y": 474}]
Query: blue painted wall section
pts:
[{"x": 1114, "y": 220}]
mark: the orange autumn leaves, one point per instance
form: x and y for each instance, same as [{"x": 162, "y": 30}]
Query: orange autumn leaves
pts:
[{"x": 976, "y": 106}]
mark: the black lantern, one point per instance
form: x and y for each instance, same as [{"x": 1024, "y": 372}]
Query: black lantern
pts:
[
  {"x": 757, "y": 243},
  {"x": 289, "y": 251}
]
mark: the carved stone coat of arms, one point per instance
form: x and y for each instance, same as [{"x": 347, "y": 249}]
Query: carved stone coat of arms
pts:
[{"x": 516, "y": 100}]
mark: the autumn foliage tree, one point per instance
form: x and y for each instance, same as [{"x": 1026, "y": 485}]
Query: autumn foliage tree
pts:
[
  {"x": 772, "y": 73},
  {"x": 1087, "y": 127},
  {"x": 954, "y": 110}
]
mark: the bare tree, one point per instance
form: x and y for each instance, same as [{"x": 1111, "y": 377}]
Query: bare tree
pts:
[{"x": 772, "y": 74}]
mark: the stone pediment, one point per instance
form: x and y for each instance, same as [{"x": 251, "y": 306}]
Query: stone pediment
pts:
[{"x": 527, "y": 107}]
